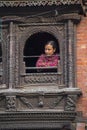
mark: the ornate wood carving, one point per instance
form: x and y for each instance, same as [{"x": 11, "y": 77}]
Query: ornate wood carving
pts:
[
  {"x": 71, "y": 103},
  {"x": 37, "y": 78},
  {"x": 30, "y": 30},
  {"x": 4, "y": 44},
  {"x": 2, "y": 103},
  {"x": 59, "y": 100},
  {"x": 66, "y": 43},
  {"x": 16, "y": 58},
  {"x": 10, "y": 103},
  {"x": 25, "y": 101},
  {"x": 36, "y": 119},
  {"x": 40, "y": 95},
  {"x": 65, "y": 68},
  {"x": 38, "y": 2},
  {"x": 11, "y": 56},
  {"x": 70, "y": 56},
  {"x": 41, "y": 101},
  {"x": 17, "y": 100},
  {"x": 49, "y": 102},
  {"x": 66, "y": 50}
]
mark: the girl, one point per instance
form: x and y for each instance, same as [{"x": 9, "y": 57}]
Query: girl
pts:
[{"x": 49, "y": 59}]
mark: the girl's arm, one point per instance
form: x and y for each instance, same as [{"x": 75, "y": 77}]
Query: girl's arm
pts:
[
  {"x": 55, "y": 61},
  {"x": 40, "y": 62}
]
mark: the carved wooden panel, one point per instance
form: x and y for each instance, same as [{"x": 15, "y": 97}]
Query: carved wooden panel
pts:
[
  {"x": 4, "y": 64},
  {"x": 41, "y": 102},
  {"x": 61, "y": 100},
  {"x": 42, "y": 78},
  {"x": 2, "y": 103},
  {"x": 10, "y": 103},
  {"x": 71, "y": 102},
  {"x": 37, "y": 3}
]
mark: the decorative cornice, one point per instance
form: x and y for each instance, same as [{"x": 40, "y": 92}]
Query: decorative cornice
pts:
[
  {"x": 16, "y": 3},
  {"x": 40, "y": 115},
  {"x": 35, "y": 119}
]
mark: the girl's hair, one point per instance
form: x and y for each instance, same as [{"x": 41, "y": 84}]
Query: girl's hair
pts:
[{"x": 53, "y": 43}]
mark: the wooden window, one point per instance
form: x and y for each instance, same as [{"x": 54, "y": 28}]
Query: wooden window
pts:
[{"x": 34, "y": 47}]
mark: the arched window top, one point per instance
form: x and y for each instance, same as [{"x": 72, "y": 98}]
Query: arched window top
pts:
[
  {"x": 35, "y": 43},
  {"x": 34, "y": 47}
]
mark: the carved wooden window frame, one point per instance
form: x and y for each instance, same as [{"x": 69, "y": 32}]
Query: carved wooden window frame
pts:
[
  {"x": 51, "y": 29},
  {"x": 64, "y": 32},
  {"x": 66, "y": 43}
]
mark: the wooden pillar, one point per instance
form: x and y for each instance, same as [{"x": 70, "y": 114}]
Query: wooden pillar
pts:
[
  {"x": 70, "y": 56},
  {"x": 11, "y": 63}
]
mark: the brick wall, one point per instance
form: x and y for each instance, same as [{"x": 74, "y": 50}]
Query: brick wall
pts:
[{"x": 81, "y": 62}]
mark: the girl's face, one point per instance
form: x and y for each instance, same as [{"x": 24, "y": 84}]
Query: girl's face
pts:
[{"x": 49, "y": 50}]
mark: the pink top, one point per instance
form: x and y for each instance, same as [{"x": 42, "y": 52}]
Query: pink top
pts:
[{"x": 47, "y": 61}]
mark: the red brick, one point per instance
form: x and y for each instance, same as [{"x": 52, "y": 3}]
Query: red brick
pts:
[{"x": 81, "y": 54}]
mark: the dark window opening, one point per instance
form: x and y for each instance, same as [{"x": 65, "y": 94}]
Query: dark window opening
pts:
[{"x": 34, "y": 47}]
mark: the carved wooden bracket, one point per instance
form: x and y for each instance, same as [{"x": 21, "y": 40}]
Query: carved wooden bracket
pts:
[
  {"x": 70, "y": 104},
  {"x": 10, "y": 103}
]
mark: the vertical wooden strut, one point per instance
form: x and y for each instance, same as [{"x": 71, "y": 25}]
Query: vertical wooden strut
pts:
[
  {"x": 11, "y": 57},
  {"x": 0, "y": 30},
  {"x": 70, "y": 54}
]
